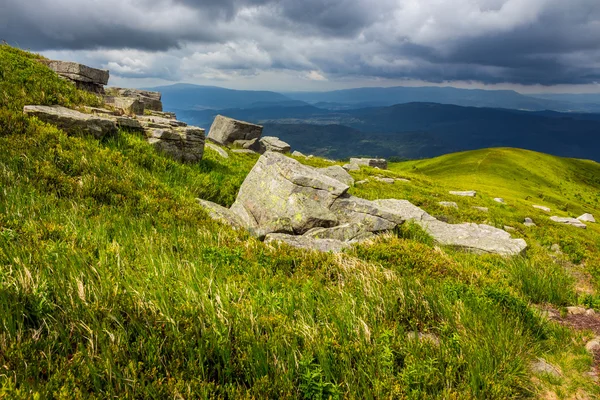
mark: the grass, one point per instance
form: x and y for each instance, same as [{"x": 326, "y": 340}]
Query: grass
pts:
[{"x": 115, "y": 283}]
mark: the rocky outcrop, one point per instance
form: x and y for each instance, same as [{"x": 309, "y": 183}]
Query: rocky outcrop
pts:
[
  {"x": 74, "y": 122},
  {"x": 569, "y": 221},
  {"x": 151, "y": 101},
  {"x": 272, "y": 143},
  {"x": 226, "y": 130},
  {"x": 84, "y": 77},
  {"x": 339, "y": 173},
  {"x": 185, "y": 144},
  {"x": 370, "y": 162},
  {"x": 126, "y": 105}
]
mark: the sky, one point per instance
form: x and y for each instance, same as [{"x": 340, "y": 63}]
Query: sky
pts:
[{"x": 531, "y": 46}]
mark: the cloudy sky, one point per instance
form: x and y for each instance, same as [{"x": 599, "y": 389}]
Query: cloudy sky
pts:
[{"x": 530, "y": 45}]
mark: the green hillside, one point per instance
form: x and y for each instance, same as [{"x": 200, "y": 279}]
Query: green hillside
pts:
[{"x": 114, "y": 283}]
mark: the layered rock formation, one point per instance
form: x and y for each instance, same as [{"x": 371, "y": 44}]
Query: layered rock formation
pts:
[{"x": 84, "y": 77}]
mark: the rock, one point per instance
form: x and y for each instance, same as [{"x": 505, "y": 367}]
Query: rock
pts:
[
  {"x": 370, "y": 162},
  {"x": 361, "y": 182},
  {"x": 569, "y": 221},
  {"x": 482, "y": 209},
  {"x": 184, "y": 144},
  {"x": 151, "y": 101},
  {"x": 509, "y": 228},
  {"x": 543, "y": 208},
  {"x": 499, "y": 200},
  {"x": 98, "y": 111},
  {"x": 576, "y": 310},
  {"x": 252, "y": 144},
  {"x": 84, "y": 77},
  {"x": 159, "y": 122},
  {"x": 587, "y": 218},
  {"x": 589, "y": 312},
  {"x": 243, "y": 151},
  {"x": 468, "y": 193},
  {"x": 371, "y": 216},
  {"x": 309, "y": 243},
  {"x": 217, "y": 149},
  {"x": 529, "y": 222},
  {"x": 280, "y": 195},
  {"x": 296, "y": 153},
  {"x": 162, "y": 114},
  {"x": 227, "y": 130},
  {"x": 385, "y": 180},
  {"x": 127, "y": 105},
  {"x": 272, "y": 143},
  {"x": 73, "y": 122},
  {"x": 593, "y": 346},
  {"x": 541, "y": 366},
  {"x": 345, "y": 233},
  {"x": 471, "y": 237},
  {"x": 127, "y": 123},
  {"x": 339, "y": 173},
  {"x": 220, "y": 213},
  {"x": 448, "y": 204},
  {"x": 351, "y": 167}
]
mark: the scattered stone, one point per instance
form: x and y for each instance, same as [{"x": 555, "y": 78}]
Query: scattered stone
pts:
[
  {"x": 448, "y": 204},
  {"x": 593, "y": 346},
  {"x": 499, "y": 200},
  {"x": 529, "y": 222},
  {"x": 385, "y": 180},
  {"x": 351, "y": 167},
  {"x": 272, "y": 143},
  {"x": 370, "y": 162},
  {"x": 576, "y": 310},
  {"x": 252, "y": 144},
  {"x": 280, "y": 195},
  {"x": 184, "y": 144},
  {"x": 296, "y": 153},
  {"x": 218, "y": 150},
  {"x": 361, "y": 182},
  {"x": 468, "y": 236},
  {"x": 339, "y": 173},
  {"x": 424, "y": 337},
  {"x": 509, "y": 228},
  {"x": 84, "y": 77},
  {"x": 468, "y": 193},
  {"x": 541, "y": 366},
  {"x": 308, "y": 243},
  {"x": 543, "y": 208},
  {"x": 220, "y": 213},
  {"x": 587, "y": 218},
  {"x": 73, "y": 122},
  {"x": 556, "y": 248},
  {"x": 482, "y": 209},
  {"x": 569, "y": 221},
  {"x": 243, "y": 151},
  {"x": 226, "y": 130}
]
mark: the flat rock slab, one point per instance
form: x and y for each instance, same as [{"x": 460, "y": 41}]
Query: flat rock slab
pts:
[
  {"x": 243, "y": 151},
  {"x": 151, "y": 101},
  {"x": 482, "y": 209},
  {"x": 351, "y": 167},
  {"x": 220, "y": 151},
  {"x": 499, "y": 200},
  {"x": 308, "y": 243},
  {"x": 448, "y": 204},
  {"x": 78, "y": 72},
  {"x": 73, "y": 122},
  {"x": 339, "y": 173},
  {"x": 280, "y": 195},
  {"x": 370, "y": 162},
  {"x": 468, "y": 193},
  {"x": 226, "y": 130},
  {"x": 477, "y": 238},
  {"x": 371, "y": 216},
  {"x": 126, "y": 105},
  {"x": 272, "y": 143},
  {"x": 587, "y": 218},
  {"x": 543, "y": 208},
  {"x": 346, "y": 233},
  {"x": 381, "y": 179},
  {"x": 569, "y": 221}
]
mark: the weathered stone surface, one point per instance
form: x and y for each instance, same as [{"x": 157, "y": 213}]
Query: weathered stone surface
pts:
[
  {"x": 587, "y": 218},
  {"x": 84, "y": 77},
  {"x": 576, "y": 310},
  {"x": 509, "y": 228},
  {"x": 220, "y": 213},
  {"x": 471, "y": 237},
  {"x": 345, "y": 233},
  {"x": 184, "y": 144},
  {"x": 217, "y": 149},
  {"x": 362, "y": 182},
  {"x": 371, "y": 216},
  {"x": 162, "y": 114},
  {"x": 382, "y": 179},
  {"x": 468, "y": 193},
  {"x": 308, "y": 243},
  {"x": 283, "y": 196},
  {"x": 370, "y": 162},
  {"x": 569, "y": 221},
  {"x": 73, "y": 122},
  {"x": 499, "y": 200},
  {"x": 128, "y": 123},
  {"x": 543, "y": 208},
  {"x": 529, "y": 222},
  {"x": 593, "y": 345},
  {"x": 296, "y": 153},
  {"x": 482, "y": 209},
  {"x": 127, "y": 105},
  {"x": 272, "y": 143},
  {"x": 150, "y": 100},
  {"x": 339, "y": 173},
  {"x": 226, "y": 130},
  {"x": 159, "y": 122},
  {"x": 98, "y": 111},
  {"x": 351, "y": 167},
  {"x": 541, "y": 366},
  {"x": 243, "y": 151},
  {"x": 448, "y": 204}
]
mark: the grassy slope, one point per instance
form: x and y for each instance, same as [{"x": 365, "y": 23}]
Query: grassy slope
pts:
[{"x": 113, "y": 282}]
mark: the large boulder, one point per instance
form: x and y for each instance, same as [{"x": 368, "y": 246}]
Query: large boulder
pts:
[
  {"x": 126, "y": 105},
  {"x": 370, "y": 162},
  {"x": 339, "y": 173},
  {"x": 369, "y": 215},
  {"x": 73, "y": 122},
  {"x": 226, "y": 130},
  {"x": 185, "y": 144},
  {"x": 281, "y": 195},
  {"x": 272, "y": 143},
  {"x": 150, "y": 100},
  {"x": 84, "y": 77}
]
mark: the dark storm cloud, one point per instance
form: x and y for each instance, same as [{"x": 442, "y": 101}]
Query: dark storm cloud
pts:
[{"x": 491, "y": 41}]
